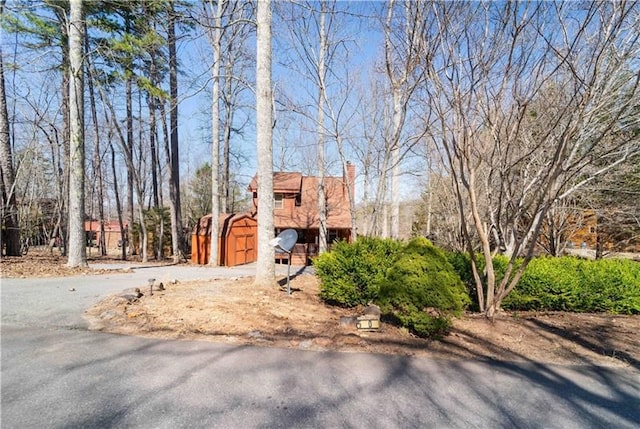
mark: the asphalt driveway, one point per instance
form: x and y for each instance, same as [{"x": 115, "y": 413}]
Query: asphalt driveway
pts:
[{"x": 57, "y": 374}]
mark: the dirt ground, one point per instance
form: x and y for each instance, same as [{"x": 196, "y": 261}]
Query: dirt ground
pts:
[{"x": 235, "y": 311}]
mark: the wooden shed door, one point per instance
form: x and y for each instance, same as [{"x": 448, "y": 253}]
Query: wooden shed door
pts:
[{"x": 244, "y": 249}]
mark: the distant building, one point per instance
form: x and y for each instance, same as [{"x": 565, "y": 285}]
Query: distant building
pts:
[{"x": 112, "y": 234}]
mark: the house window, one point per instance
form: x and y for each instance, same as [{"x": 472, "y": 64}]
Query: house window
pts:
[
  {"x": 298, "y": 200},
  {"x": 592, "y": 229},
  {"x": 278, "y": 201}
]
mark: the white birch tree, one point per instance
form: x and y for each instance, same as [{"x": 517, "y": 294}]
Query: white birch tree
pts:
[{"x": 405, "y": 66}]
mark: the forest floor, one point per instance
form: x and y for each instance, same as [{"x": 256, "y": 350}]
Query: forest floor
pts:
[{"x": 235, "y": 311}]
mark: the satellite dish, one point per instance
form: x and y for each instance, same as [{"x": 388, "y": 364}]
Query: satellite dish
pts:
[{"x": 285, "y": 240}]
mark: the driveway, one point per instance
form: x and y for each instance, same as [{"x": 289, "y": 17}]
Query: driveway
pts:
[{"x": 57, "y": 374}]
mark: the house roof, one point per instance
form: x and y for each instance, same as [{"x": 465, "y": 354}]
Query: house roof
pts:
[
  {"x": 203, "y": 226},
  {"x": 285, "y": 182},
  {"x": 306, "y": 215}
]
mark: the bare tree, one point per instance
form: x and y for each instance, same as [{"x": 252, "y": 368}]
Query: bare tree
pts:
[
  {"x": 372, "y": 156},
  {"x": 227, "y": 26},
  {"x": 405, "y": 64},
  {"x": 215, "y": 38},
  {"x": 527, "y": 116},
  {"x": 77, "y": 239},
  {"x": 236, "y": 62},
  {"x": 322, "y": 91},
  {"x": 265, "y": 269},
  {"x": 320, "y": 55}
]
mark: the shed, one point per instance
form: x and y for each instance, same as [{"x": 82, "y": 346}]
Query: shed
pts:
[{"x": 236, "y": 240}]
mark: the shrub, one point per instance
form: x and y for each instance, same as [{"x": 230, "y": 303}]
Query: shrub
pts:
[
  {"x": 547, "y": 284},
  {"x": 422, "y": 279},
  {"x": 572, "y": 284},
  {"x": 351, "y": 273},
  {"x": 462, "y": 266},
  {"x": 610, "y": 285}
]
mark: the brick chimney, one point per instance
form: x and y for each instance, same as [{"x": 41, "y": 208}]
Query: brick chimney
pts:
[{"x": 350, "y": 176}]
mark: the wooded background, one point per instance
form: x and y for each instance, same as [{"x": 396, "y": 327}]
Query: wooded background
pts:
[{"x": 490, "y": 127}]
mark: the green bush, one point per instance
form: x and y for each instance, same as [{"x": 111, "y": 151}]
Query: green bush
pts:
[
  {"x": 563, "y": 284},
  {"x": 547, "y": 284},
  {"x": 421, "y": 290},
  {"x": 572, "y": 284},
  {"x": 461, "y": 263},
  {"x": 351, "y": 273}
]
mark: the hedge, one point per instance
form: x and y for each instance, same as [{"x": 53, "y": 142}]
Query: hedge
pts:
[
  {"x": 578, "y": 285},
  {"x": 564, "y": 284}
]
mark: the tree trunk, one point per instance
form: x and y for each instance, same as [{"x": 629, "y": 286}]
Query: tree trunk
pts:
[
  {"x": 225, "y": 201},
  {"x": 322, "y": 197},
  {"x": 77, "y": 237},
  {"x": 129, "y": 155},
  {"x": 11, "y": 239},
  {"x": 97, "y": 156},
  {"x": 265, "y": 268},
  {"x": 123, "y": 230},
  {"x": 155, "y": 163},
  {"x": 174, "y": 166},
  {"x": 215, "y": 132},
  {"x": 398, "y": 119}
]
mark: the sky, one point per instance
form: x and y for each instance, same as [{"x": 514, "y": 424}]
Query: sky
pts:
[{"x": 291, "y": 139}]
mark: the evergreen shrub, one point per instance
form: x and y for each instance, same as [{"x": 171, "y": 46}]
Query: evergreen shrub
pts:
[
  {"x": 421, "y": 290},
  {"x": 461, "y": 263},
  {"x": 351, "y": 273},
  {"x": 578, "y": 285}
]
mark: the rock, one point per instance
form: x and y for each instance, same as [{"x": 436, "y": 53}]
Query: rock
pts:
[
  {"x": 305, "y": 344},
  {"x": 129, "y": 298},
  {"x": 72, "y": 289},
  {"x": 349, "y": 321},
  {"x": 108, "y": 315},
  {"x": 322, "y": 342},
  {"x": 372, "y": 310}
]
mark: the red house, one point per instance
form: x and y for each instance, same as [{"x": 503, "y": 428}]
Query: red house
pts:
[
  {"x": 112, "y": 234},
  {"x": 296, "y": 207}
]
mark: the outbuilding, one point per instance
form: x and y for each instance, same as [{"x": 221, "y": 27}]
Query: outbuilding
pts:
[{"x": 236, "y": 240}]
